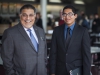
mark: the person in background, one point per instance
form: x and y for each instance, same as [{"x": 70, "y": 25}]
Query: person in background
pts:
[
  {"x": 24, "y": 46},
  {"x": 85, "y": 21},
  {"x": 39, "y": 20},
  {"x": 91, "y": 18},
  {"x": 17, "y": 17},
  {"x": 96, "y": 24},
  {"x": 79, "y": 17},
  {"x": 70, "y": 47},
  {"x": 61, "y": 21}
]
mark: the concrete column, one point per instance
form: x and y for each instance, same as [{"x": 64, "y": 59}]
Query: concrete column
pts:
[{"x": 43, "y": 5}]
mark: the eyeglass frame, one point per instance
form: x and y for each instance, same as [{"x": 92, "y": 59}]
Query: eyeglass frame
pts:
[
  {"x": 68, "y": 14},
  {"x": 25, "y": 15}
]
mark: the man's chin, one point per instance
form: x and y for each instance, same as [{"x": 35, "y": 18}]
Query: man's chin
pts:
[{"x": 27, "y": 25}]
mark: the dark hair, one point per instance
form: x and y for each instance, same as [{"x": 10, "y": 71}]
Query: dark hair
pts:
[
  {"x": 74, "y": 10},
  {"x": 27, "y": 6}
]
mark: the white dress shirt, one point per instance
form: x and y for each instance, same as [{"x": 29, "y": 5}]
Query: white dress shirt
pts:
[{"x": 33, "y": 32}]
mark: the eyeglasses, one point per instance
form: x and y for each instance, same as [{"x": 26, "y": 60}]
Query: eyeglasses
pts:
[
  {"x": 69, "y": 14},
  {"x": 30, "y": 15}
]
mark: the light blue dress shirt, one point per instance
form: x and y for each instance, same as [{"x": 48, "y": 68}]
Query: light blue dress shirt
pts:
[{"x": 71, "y": 31}]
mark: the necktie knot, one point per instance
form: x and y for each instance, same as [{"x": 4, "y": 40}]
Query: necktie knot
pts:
[
  {"x": 68, "y": 30},
  {"x": 29, "y": 30}
]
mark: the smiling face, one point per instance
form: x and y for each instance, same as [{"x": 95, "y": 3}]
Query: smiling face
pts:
[
  {"x": 69, "y": 17},
  {"x": 27, "y": 17}
]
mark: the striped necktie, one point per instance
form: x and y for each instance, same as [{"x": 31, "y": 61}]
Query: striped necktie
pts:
[{"x": 33, "y": 40}]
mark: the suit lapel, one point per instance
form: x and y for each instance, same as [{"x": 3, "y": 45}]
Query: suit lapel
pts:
[
  {"x": 24, "y": 34},
  {"x": 63, "y": 36}
]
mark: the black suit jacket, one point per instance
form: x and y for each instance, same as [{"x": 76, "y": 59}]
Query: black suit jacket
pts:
[{"x": 77, "y": 55}]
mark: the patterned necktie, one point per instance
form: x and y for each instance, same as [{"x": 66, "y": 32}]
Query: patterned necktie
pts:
[
  {"x": 33, "y": 40},
  {"x": 67, "y": 38}
]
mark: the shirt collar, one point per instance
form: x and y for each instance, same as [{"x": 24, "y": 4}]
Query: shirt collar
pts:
[
  {"x": 71, "y": 27},
  {"x": 29, "y": 28}
]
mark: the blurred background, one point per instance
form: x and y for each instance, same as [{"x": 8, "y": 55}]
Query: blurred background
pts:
[{"x": 49, "y": 12}]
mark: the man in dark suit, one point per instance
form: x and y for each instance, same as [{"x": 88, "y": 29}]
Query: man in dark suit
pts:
[
  {"x": 72, "y": 52},
  {"x": 20, "y": 55}
]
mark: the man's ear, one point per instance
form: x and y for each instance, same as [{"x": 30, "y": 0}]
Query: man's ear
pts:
[
  {"x": 75, "y": 15},
  {"x": 34, "y": 15}
]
